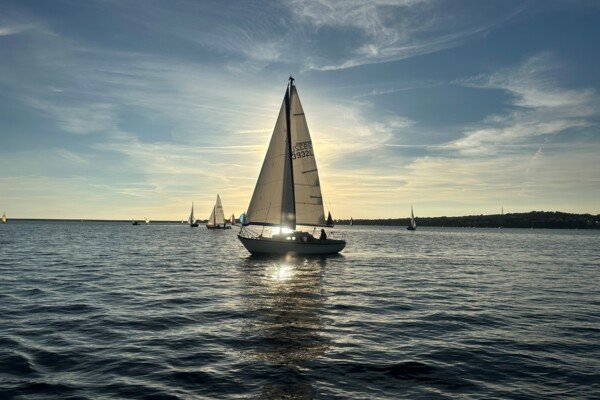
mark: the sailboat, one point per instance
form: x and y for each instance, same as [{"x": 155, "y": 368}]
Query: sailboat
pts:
[
  {"x": 4, "y": 219},
  {"x": 134, "y": 222},
  {"x": 232, "y": 220},
  {"x": 288, "y": 192},
  {"x": 217, "y": 217},
  {"x": 191, "y": 219},
  {"x": 146, "y": 220},
  {"x": 329, "y": 221},
  {"x": 351, "y": 222},
  {"x": 412, "y": 226}
]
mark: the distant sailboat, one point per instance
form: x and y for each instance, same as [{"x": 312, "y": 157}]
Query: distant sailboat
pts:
[
  {"x": 351, "y": 222},
  {"x": 329, "y": 221},
  {"x": 134, "y": 222},
  {"x": 288, "y": 192},
  {"x": 4, "y": 219},
  {"x": 232, "y": 220},
  {"x": 217, "y": 217},
  {"x": 146, "y": 220},
  {"x": 191, "y": 219},
  {"x": 412, "y": 226}
]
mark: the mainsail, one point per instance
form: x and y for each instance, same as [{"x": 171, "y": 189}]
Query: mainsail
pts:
[
  {"x": 4, "y": 218},
  {"x": 288, "y": 192},
  {"x": 217, "y": 217},
  {"x": 413, "y": 223}
]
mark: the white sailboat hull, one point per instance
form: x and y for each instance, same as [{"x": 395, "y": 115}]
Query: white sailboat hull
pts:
[{"x": 276, "y": 246}]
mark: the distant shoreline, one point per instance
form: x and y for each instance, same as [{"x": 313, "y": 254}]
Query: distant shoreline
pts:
[
  {"x": 528, "y": 220},
  {"x": 533, "y": 219},
  {"x": 140, "y": 221}
]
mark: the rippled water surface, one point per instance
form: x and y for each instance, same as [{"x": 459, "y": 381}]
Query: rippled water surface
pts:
[{"x": 111, "y": 310}]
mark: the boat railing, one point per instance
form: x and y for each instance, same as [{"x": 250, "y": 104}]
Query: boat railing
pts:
[{"x": 249, "y": 233}]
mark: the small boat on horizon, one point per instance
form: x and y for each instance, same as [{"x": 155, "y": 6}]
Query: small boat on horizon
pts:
[
  {"x": 191, "y": 220},
  {"x": 281, "y": 205},
  {"x": 232, "y": 220},
  {"x": 412, "y": 225},
  {"x": 329, "y": 221},
  {"x": 146, "y": 220},
  {"x": 4, "y": 219},
  {"x": 134, "y": 222},
  {"x": 217, "y": 217},
  {"x": 351, "y": 222}
]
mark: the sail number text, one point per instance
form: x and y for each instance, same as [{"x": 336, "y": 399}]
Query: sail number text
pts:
[{"x": 302, "y": 149}]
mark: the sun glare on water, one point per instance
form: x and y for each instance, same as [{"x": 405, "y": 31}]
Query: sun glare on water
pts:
[{"x": 282, "y": 272}]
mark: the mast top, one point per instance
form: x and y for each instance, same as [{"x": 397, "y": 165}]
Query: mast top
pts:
[{"x": 291, "y": 79}]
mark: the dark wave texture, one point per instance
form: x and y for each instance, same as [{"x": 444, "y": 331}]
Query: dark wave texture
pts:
[{"x": 110, "y": 310}]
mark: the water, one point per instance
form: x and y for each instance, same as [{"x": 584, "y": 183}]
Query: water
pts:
[{"x": 111, "y": 310}]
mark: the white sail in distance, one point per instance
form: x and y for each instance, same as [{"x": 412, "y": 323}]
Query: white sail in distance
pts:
[
  {"x": 413, "y": 223},
  {"x": 191, "y": 219},
  {"x": 217, "y": 216},
  {"x": 288, "y": 191}
]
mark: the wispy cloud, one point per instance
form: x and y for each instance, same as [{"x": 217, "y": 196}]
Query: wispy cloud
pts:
[
  {"x": 12, "y": 28},
  {"x": 541, "y": 107},
  {"x": 391, "y": 30},
  {"x": 5, "y": 30}
]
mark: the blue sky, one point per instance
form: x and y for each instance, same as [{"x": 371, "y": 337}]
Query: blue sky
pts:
[{"x": 125, "y": 109}]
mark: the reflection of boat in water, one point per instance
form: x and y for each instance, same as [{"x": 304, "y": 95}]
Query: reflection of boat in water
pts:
[
  {"x": 288, "y": 192},
  {"x": 283, "y": 303}
]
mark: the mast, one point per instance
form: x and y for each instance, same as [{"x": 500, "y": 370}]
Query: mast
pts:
[{"x": 288, "y": 215}]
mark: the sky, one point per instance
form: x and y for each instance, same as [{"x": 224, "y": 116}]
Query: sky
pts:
[{"x": 130, "y": 109}]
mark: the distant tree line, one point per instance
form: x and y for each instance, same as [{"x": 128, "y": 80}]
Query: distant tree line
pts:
[{"x": 533, "y": 219}]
